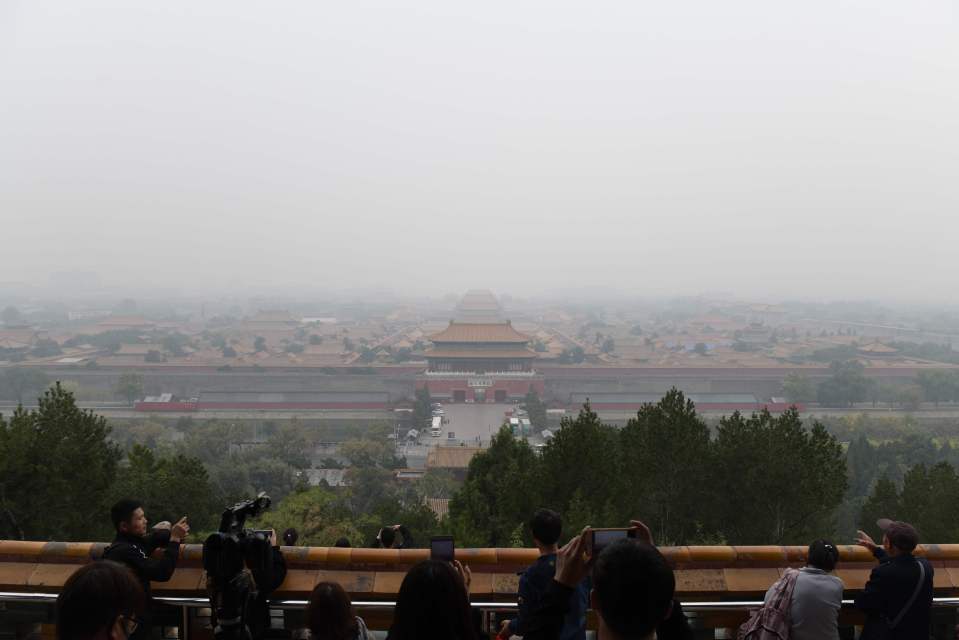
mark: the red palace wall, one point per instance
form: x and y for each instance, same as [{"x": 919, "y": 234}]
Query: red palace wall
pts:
[{"x": 515, "y": 389}]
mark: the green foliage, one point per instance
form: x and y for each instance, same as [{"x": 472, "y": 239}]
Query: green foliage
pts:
[
  {"x": 295, "y": 347},
  {"x": 18, "y": 382},
  {"x": 45, "y": 348},
  {"x": 784, "y": 480},
  {"x": 422, "y": 409},
  {"x": 56, "y": 470},
  {"x": 845, "y": 387},
  {"x": 939, "y": 386},
  {"x": 536, "y": 409},
  {"x": 798, "y": 388},
  {"x": 169, "y": 486},
  {"x": 228, "y": 351},
  {"x": 259, "y": 344},
  {"x": 174, "y": 344},
  {"x": 498, "y": 493},
  {"x": 928, "y": 499},
  {"x": 575, "y": 355},
  {"x": 637, "y": 330},
  {"x": 11, "y": 316},
  {"x": 129, "y": 386},
  {"x": 153, "y": 356},
  {"x": 316, "y": 338},
  {"x": 666, "y": 451},
  {"x": 701, "y": 349},
  {"x": 609, "y": 345}
]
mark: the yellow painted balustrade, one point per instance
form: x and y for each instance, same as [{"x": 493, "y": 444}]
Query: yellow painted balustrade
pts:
[{"x": 702, "y": 572}]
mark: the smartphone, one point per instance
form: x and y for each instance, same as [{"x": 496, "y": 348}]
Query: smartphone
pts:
[
  {"x": 601, "y": 538},
  {"x": 441, "y": 548}
]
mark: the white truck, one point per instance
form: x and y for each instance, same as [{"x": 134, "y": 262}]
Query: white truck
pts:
[{"x": 436, "y": 427}]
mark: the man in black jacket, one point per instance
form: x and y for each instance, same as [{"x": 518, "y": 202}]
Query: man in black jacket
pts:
[
  {"x": 134, "y": 548},
  {"x": 897, "y": 599},
  {"x": 633, "y": 591}
]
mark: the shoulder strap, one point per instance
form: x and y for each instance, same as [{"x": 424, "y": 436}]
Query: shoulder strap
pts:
[{"x": 912, "y": 600}]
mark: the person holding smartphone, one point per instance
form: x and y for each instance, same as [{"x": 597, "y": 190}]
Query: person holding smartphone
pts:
[
  {"x": 547, "y": 526},
  {"x": 133, "y": 547}
]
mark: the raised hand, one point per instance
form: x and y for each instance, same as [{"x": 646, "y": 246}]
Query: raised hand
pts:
[
  {"x": 863, "y": 539},
  {"x": 180, "y": 530},
  {"x": 572, "y": 561}
]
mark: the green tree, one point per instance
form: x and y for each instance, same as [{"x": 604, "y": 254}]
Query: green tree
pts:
[
  {"x": 11, "y": 316},
  {"x": 259, "y": 344},
  {"x": 701, "y": 349},
  {"x": 319, "y": 514},
  {"x": 883, "y": 502},
  {"x": 798, "y": 388},
  {"x": 129, "y": 386},
  {"x": 316, "y": 338},
  {"x": 20, "y": 381},
  {"x": 437, "y": 483},
  {"x": 498, "y": 493},
  {"x": 666, "y": 452},
  {"x": 847, "y": 385},
  {"x": 637, "y": 330},
  {"x": 582, "y": 456},
  {"x": 422, "y": 408},
  {"x": 937, "y": 386},
  {"x": 536, "y": 409},
  {"x": 153, "y": 356},
  {"x": 174, "y": 344},
  {"x": 776, "y": 482},
  {"x": 295, "y": 347},
  {"x": 609, "y": 345},
  {"x": 57, "y": 467},
  {"x": 228, "y": 351},
  {"x": 170, "y": 487}
]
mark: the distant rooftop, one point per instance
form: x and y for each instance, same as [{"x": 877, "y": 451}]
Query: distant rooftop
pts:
[{"x": 479, "y": 306}]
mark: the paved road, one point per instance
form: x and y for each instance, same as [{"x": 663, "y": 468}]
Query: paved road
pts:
[{"x": 469, "y": 421}]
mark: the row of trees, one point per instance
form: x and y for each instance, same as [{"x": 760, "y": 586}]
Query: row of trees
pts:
[
  {"x": 761, "y": 479},
  {"x": 848, "y": 385}
]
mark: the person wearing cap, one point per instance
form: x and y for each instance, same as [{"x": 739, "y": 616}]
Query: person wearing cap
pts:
[{"x": 897, "y": 599}]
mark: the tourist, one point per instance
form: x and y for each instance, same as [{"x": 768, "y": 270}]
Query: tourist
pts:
[
  {"x": 342, "y": 542},
  {"x": 633, "y": 588},
  {"x": 816, "y": 596},
  {"x": 100, "y": 601},
  {"x": 386, "y": 538},
  {"x": 433, "y": 604},
  {"x": 329, "y": 615},
  {"x": 133, "y": 547},
  {"x": 290, "y": 536},
  {"x": 897, "y": 599},
  {"x": 546, "y": 526}
]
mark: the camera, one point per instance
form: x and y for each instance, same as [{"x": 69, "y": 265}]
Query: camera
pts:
[{"x": 242, "y": 570}]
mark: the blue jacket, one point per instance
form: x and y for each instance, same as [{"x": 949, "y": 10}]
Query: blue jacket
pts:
[
  {"x": 890, "y": 586},
  {"x": 532, "y": 589}
]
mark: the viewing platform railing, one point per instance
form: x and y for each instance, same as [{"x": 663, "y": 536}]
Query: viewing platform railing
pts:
[{"x": 717, "y": 584}]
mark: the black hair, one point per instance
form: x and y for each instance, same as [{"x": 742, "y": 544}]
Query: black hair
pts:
[
  {"x": 342, "y": 542},
  {"x": 432, "y": 605},
  {"x": 823, "y": 555},
  {"x": 290, "y": 536},
  {"x": 93, "y": 597},
  {"x": 387, "y": 537},
  {"x": 546, "y": 526},
  {"x": 634, "y": 587},
  {"x": 123, "y": 510},
  {"x": 329, "y": 614}
]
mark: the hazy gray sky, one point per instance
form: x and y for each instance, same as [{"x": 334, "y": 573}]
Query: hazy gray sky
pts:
[{"x": 790, "y": 148}]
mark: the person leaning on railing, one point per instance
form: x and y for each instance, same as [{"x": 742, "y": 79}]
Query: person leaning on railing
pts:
[
  {"x": 100, "y": 601},
  {"x": 816, "y": 596}
]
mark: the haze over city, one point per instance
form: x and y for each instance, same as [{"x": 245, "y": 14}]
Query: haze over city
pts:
[{"x": 772, "y": 151}]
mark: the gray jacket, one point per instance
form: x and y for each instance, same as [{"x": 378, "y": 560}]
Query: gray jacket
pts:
[{"x": 815, "y": 605}]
